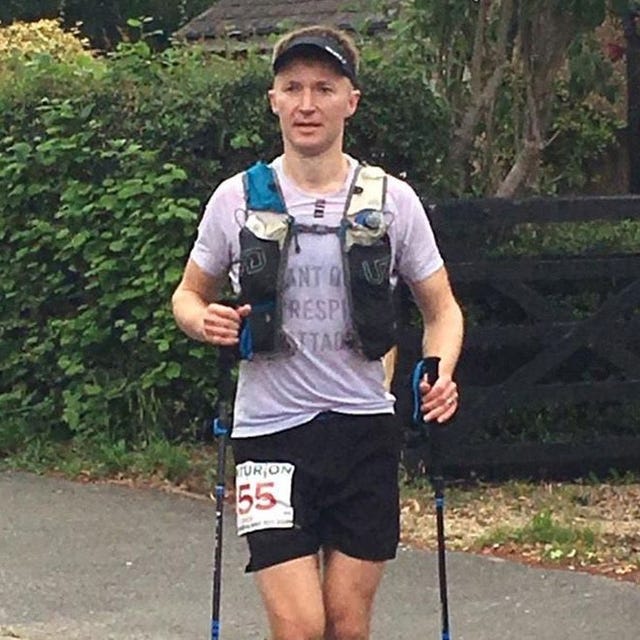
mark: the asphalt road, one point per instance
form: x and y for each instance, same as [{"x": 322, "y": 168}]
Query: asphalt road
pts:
[{"x": 102, "y": 562}]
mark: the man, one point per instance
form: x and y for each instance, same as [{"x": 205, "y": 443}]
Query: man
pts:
[{"x": 314, "y": 437}]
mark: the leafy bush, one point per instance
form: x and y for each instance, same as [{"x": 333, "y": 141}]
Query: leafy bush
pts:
[
  {"x": 106, "y": 23},
  {"x": 93, "y": 240},
  {"x": 31, "y": 39},
  {"x": 95, "y": 228}
]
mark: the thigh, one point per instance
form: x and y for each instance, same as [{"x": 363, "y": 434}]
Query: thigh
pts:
[
  {"x": 349, "y": 589},
  {"x": 292, "y": 595}
]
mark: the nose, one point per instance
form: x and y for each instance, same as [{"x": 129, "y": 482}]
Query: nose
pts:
[{"x": 306, "y": 100}]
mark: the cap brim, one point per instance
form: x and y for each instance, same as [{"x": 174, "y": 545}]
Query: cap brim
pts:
[{"x": 309, "y": 45}]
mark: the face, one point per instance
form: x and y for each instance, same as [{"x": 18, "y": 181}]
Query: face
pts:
[{"x": 312, "y": 100}]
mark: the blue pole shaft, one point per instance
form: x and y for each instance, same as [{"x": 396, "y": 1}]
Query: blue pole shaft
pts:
[
  {"x": 221, "y": 429},
  {"x": 430, "y": 366}
]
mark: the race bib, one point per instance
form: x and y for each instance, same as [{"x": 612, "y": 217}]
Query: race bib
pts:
[{"x": 263, "y": 496}]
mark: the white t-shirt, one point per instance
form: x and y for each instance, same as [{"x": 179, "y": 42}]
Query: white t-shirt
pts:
[{"x": 323, "y": 374}]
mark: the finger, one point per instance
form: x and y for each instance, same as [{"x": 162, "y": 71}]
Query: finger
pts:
[
  {"x": 433, "y": 399},
  {"x": 215, "y": 333},
  {"x": 244, "y": 310},
  {"x": 223, "y": 342},
  {"x": 433, "y": 406},
  {"x": 424, "y": 387},
  {"x": 216, "y": 322},
  {"x": 441, "y": 384},
  {"x": 220, "y": 331},
  {"x": 441, "y": 413},
  {"x": 215, "y": 310},
  {"x": 436, "y": 397},
  {"x": 222, "y": 339},
  {"x": 450, "y": 408}
]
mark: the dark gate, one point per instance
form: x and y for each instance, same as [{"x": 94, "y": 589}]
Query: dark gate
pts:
[{"x": 551, "y": 294}]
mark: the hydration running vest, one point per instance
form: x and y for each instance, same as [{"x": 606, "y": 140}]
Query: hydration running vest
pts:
[{"x": 266, "y": 237}]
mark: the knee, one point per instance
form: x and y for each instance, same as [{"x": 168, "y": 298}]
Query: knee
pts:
[
  {"x": 298, "y": 630},
  {"x": 347, "y": 627}
]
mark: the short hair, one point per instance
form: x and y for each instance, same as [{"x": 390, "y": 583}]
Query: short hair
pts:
[{"x": 341, "y": 46}]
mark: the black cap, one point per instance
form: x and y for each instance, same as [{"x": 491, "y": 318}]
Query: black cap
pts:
[{"x": 326, "y": 44}]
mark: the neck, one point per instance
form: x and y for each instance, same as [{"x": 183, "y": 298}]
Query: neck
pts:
[{"x": 325, "y": 173}]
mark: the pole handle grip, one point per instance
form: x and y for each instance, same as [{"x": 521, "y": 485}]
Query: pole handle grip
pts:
[{"x": 429, "y": 367}]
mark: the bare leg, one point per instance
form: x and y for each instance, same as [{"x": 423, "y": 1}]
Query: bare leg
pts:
[
  {"x": 292, "y": 595},
  {"x": 350, "y": 586}
]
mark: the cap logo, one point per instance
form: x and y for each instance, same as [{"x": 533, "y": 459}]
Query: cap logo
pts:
[{"x": 336, "y": 54}]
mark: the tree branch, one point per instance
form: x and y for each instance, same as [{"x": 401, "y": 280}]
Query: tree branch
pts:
[
  {"x": 482, "y": 96},
  {"x": 544, "y": 39}
]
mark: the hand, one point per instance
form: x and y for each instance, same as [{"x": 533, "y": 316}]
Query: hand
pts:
[
  {"x": 440, "y": 401},
  {"x": 221, "y": 324}
]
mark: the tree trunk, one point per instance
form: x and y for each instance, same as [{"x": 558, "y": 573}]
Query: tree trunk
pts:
[
  {"x": 545, "y": 36},
  {"x": 483, "y": 92}
]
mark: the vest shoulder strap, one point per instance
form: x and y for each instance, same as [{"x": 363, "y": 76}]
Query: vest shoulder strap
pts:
[
  {"x": 368, "y": 190},
  {"x": 261, "y": 189},
  {"x": 262, "y": 193}
]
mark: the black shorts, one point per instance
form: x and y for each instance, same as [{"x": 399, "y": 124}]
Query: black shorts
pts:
[{"x": 344, "y": 488}]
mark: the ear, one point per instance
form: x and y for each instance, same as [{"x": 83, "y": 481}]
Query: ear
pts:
[
  {"x": 271, "y": 94},
  {"x": 354, "y": 101}
]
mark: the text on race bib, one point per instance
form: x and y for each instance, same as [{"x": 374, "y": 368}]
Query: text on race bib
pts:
[{"x": 263, "y": 496}]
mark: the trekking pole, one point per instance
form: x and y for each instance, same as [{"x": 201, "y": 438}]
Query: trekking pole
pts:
[
  {"x": 429, "y": 367},
  {"x": 221, "y": 428}
]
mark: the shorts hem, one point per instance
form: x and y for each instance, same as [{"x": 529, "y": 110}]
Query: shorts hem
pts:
[
  {"x": 253, "y": 566},
  {"x": 383, "y": 556}
]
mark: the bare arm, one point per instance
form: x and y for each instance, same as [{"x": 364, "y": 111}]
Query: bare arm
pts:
[
  {"x": 199, "y": 315},
  {"x": 443, "y": 333}
]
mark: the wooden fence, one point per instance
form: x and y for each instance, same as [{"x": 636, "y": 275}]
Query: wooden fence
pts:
[{"x": 549, "y": 332}]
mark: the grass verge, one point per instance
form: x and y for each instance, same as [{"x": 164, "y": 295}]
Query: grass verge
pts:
[{"x": 591, "y": 525}]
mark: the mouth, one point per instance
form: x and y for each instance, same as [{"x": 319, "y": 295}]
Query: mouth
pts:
[{"x": 306, "y": 126}]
